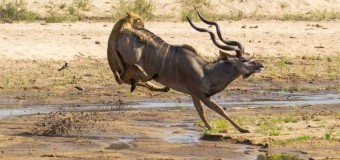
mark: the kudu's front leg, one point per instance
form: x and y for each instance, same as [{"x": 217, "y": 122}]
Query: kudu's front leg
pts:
[
  {"x": 211, "y": 104},
  {"x": 199, "y": 108},
  {"x": 153, "y": 87}
]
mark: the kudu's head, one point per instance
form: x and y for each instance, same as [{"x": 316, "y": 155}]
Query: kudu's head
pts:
[{"x": 245, "y": 66}]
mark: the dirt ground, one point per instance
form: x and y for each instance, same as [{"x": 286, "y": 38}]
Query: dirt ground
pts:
[
  {"x": 167, "y": 133},
  {"x": 301, "y": 57}
]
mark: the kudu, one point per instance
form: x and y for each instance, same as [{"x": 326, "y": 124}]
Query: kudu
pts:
[{"x": 183, "y": 70}]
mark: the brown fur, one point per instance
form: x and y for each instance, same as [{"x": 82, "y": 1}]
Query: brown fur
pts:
[
  {"x": 127, "y": 25},
  {"x": 125, "y": 73}
]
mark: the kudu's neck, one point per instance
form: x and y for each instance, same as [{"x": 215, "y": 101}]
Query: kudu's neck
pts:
[{"x": 220, "y": 74}]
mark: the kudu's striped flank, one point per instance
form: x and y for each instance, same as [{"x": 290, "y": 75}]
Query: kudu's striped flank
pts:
[{"x": 181, "y": 69}]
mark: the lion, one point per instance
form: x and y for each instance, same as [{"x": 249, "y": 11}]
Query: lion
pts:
[{"x": 124, "y": 73}]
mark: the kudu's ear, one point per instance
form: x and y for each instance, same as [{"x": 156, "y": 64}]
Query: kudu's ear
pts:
[{"x": 224, "y": 55}]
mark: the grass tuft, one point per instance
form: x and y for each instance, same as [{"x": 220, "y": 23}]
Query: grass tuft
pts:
[
  {"x": 278, "y": 156},
  {"x": 290, "y": 119},
  {"x": 269, "y": 127},
  {"x": 145, "y": 8},
  {"x": 84, "y": 5},
  {"x": 317, "y": 15},
  {"x": 218, "y": 126}
]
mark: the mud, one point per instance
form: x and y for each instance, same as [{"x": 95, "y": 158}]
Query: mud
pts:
[{"x": 157, "y": 128}]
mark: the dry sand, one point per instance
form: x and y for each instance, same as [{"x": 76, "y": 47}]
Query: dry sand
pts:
[{"x": 270, "y": 38}]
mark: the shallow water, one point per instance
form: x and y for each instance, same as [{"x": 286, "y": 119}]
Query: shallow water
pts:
[{"x": 291, "y": 99}]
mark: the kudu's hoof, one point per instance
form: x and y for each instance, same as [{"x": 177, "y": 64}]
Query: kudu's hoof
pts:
[
  {"x": 133, "y": 85},
  {"x": 166, "y": 89}
]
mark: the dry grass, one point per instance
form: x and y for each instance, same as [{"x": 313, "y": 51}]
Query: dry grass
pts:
[
  {"x": 75, "y": 10},
  {"x": 44, "y": 74}
]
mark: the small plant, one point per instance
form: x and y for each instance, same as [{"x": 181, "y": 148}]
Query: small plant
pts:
[
  {"x": 290, "y": 119},
  {"x": 329, "y": 135},
  {"x": 317, "y": 119},
  {"x": 270, "y": 127},
  {"x": 284, "y": 5},
  {"x": 218, "y": 126},
  {"x": 235, "y": 15},
  {"x": 53, "y": 14},
  {"x": 189, "y": 7},
  {"x": 145, "y": 8},
  {"x": 84, "y": 5}
]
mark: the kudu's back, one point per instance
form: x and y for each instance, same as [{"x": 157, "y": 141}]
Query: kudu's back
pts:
[{"x": 173, "y": 65}]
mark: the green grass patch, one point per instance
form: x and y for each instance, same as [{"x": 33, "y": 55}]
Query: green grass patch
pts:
[
  {"x": 271, "y": 127},
  {"x": 11, "y": 11},
  {"x": 278, "y": 156},
  {"x": 317, "y": 119},
  {"x": 290, "y": 119},
  {"x": 218, "y": 126},
  {"x": 302, "y": 138},
  {"x": 317, "y": 15}
]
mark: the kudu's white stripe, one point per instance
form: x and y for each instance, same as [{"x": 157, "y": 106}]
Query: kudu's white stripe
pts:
[
  {"x": 156, "y": 60},
  {"x": 177, "y": 66},
  {"x": 166, "y": 52},
  {"x": 170, "y": 63}
]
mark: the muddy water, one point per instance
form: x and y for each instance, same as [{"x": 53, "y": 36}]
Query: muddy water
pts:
[
  {"x": 289, "y": 99},
  {"x": 169, "y": 134}
]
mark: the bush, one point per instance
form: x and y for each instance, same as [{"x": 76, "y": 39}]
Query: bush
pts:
[
  {"x": 145, "y": 8},
  {"x": 15, "y": 11}
]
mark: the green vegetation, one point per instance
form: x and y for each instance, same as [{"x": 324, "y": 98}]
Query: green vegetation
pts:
[
  {"x": 84, "y": 5},
  {"x": 204, "y": 7},
  {"x": 311, "y": 16},
  {"x": 218, "y": 126},
  {"x": 328, "y": 135},
  {"x": 16, "y": 11},
  {"x": 145, "y": 8},
  {"x": 58, "y": 13},
  {"x": 271, "y": 127},
  {"x": 278, "y": 156},
  {"x": 290, "y": 119},
  {"x": 302, "y": 138},
  {"x": 317, "y": 119}
]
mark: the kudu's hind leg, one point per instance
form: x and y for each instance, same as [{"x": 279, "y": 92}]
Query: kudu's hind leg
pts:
[
  {"x": 115, "y": 63},
  {"x": 211, "y": 104},
  {"x": 199, "y": 108}
]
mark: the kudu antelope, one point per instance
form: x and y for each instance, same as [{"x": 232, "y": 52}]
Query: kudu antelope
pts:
[{"x": 183, "y": 70}]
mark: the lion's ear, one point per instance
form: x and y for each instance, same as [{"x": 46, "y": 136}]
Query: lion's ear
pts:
[{"x": 128, "y": 13}]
